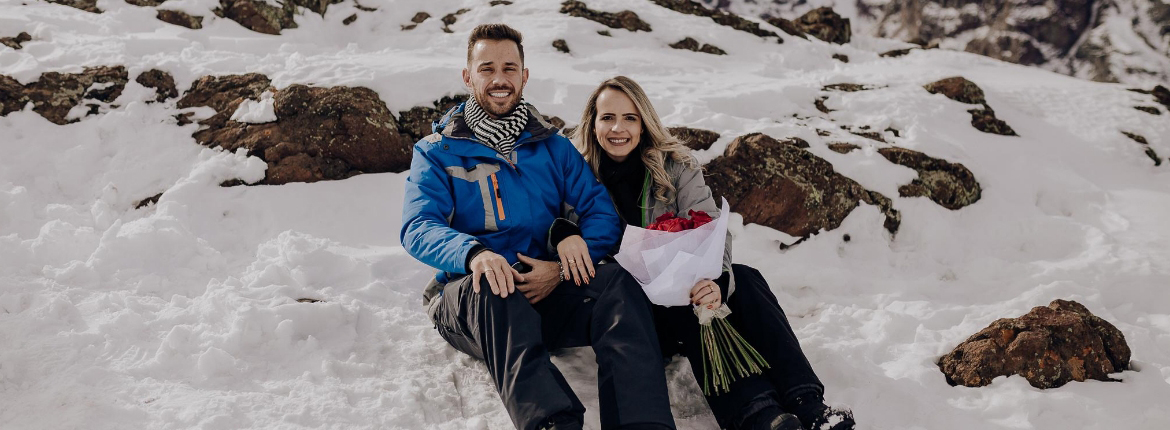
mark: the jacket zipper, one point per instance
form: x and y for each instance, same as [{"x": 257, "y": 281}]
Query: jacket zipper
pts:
[{"x": 499, "y": 197}]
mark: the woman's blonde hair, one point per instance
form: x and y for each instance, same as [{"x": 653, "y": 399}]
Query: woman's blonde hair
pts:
[{"x": 656, "y": 142}]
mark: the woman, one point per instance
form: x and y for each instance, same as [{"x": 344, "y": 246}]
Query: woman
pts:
[{"x": 648, "y": 173}]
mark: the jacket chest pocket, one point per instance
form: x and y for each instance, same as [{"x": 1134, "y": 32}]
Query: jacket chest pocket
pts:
[{"x": 487, "y": 185}]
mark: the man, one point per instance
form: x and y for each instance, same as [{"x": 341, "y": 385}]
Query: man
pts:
[{"x": 482, "y": 194}]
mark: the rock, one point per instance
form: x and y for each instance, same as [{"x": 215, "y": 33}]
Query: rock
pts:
[
  {"x": 180, "y": 18},
  {"x": 1049, "y": 346},
  {"x": 1162, "y": 95},
  {"x": 1149, "y": 109},
  {"x": 604, "y": 33},
  {"x": 691, "y": 44},
  {"x": 148, "y": 201},
  {"x": 12, "y": 96},
  {"x": 720, "y": 17},
  {"x": 870, "y": 135},
  {"x": 786, "y": 25},
  {"x": 55, "y": 94},
  {"x": 418, "y": 18},
  {"x": 950, "y": 185},
  {"x": 561, "y": 45},
  {"x": 1136, "y": 138},
  {"x": 984, "y": 120},
  {"x": 554, "y": 121},
  {"x": 414, "y": 124},
  {"x": 779, "y": 185},
  {"x": 841, "y": 57},
  {"x": 317, "y": 6},
  {"x": 86, "y": 5},
  {"x": 820, "y": 105},
  {"x": 824, "y": 24},
  {"x": 500, "y": 2},
  {"x": 320, "y": 133},
  {"x": 843, "y": 148},
  {"x": 146, "y": 3},
  {"x": 451, "y": 18},
  {"x": 349, "y": 19},
  {"x": 958, "y": 89},
  {"x": 846, "y": 87},
  {"x": 896, "y": 52},
  {"x": 1154, "y": 156},
  {"x": 16, "y": 41},
  {"x": 961, "y": 90},
  {"x": 162, "y": 82},
  {"x": 257, "y": 15},
  {"x": 694, "y": 138},
  {"x": 625, "y": 19}
]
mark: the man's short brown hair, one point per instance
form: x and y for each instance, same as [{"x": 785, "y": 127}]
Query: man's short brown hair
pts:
[{"x": 494, "y": 32}]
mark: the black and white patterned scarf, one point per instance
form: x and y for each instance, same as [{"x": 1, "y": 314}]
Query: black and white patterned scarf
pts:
[{"x": 499, "y": 134}]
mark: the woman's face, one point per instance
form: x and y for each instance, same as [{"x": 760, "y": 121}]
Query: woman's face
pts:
[{"x": 618, "y": 125}]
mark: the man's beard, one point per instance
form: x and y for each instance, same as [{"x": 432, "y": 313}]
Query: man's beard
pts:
[{"x": 488, "y": 104}]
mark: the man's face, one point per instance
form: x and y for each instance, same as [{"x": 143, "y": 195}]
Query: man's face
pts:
[{"x": 496, "y": 75}]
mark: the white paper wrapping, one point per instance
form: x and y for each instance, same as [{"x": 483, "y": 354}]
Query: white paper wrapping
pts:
[{"x": 668, "y": 264}]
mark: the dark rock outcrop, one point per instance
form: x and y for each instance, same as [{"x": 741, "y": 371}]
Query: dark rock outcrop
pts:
[
  {"x": 146, "y": 3},
  {"x": 162, "y": 82},
  {"x": 561, "y": 45},
  {"x": 55, "y": 94},
  {"x": 1145, "y": 145},
  {"x": 894, "y": 53},
  {"x": 825, "y": 24},
  {"x": 1010, "y": 48},
  {"x": 625, "y": 19},
  {"x": 843, "y": 148},
  {"x": 786, "y": 25},
  {"x": 414, "y": 124},
  {"x": 841, "y": 57},
  {"x": 779, "y": 185},
  {"x": 719, "y": 16},
  {"x": 319, "y": 134},
  {"x": 691, "y": 44},
  {"x": 694, "y": 138},
  {"x": 180, "y": 18},
  {"x": 1149, "y": 109},
  {"x": 1049, "y": 346},
  {"x": 961, "y": 90},
  {"x": 418, "y": 18},
  {"x": 951, "y": 185},
  {"x": 846, "y": 87},
  {"x": 450, "y": 19},
  {"x": 15, "y": 41},
  {"x": 86, "y": 5},
  {"x": 258, "y": 16}
]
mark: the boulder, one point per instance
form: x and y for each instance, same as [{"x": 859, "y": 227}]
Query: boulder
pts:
[
  {"x": 561, "y": 45},
  {"x": 691, "y": 44},
  {"x": 824, "y": 24},
  {"x": 1049, "y": 346},
  {"x": 720, "y": 17},
  {"x": 319, "y": 134},
  {"x": 180, "y": 18},
  {"x": 625, "y": 19},
  {"x": 258, "y": 15},
  {"x": 162, "y": 82},
  {"x": 86, "y": 5},
  {"x": 780, "y": 185},
  {"x": 694, "y": 138},
  {"x": 15, "y": 41},
  {"x": 961, "y": 90},
  {"x": 55, "y": 94},
  {"x": 951, "y": 185},
  {"x": 415, "y": 123}
]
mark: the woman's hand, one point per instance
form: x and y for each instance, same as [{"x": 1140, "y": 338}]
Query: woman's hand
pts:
[
  {"x": 706, "y": 293},
  {"x": 575, "y": 259}
]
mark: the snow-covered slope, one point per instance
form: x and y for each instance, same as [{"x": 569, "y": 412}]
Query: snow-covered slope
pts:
[
  {"x": 185, "y": 313},
  {"x": 1124, "y": 41}
]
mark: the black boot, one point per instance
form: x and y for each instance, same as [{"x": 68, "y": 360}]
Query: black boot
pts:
[
  {"x": 810, "y": 408},
  {"x": 763, "y": 413}
]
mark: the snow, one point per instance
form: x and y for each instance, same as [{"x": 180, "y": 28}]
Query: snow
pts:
[{"x": 185, "y": 313}]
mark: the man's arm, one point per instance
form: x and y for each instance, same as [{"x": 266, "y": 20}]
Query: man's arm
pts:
[
  {"x": 599, "y": 223},
  {"x": 426, "y": 234}
]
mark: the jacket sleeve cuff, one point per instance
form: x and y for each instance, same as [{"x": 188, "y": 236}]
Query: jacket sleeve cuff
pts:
[
  {"x": 723, "y": 281},
  {"x": 562, "y": 229},
  {"x": 475, "y": 250}
]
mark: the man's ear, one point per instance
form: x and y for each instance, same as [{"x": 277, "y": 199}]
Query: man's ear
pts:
[
  {"x": 467, "y": 78},
  {"x": 525, "y": 81}
]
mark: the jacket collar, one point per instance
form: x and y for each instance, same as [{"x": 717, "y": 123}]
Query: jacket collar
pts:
[{"x": 454, "y": 125}]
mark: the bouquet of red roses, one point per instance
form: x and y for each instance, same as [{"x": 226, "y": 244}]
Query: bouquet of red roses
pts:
[{"x": 670, "y": 256}]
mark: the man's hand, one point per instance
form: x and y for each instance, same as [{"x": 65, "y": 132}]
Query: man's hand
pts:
[
  {"x": 575, "y": 259},
  {"x": 539, "y": 282},
  {"x": 706, "y": 293},
  {"x": 501, "y": 277}
]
